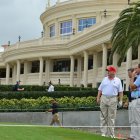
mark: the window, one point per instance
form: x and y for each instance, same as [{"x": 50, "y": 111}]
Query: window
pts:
[
  {"x": 61, "y": 66},
  {"x": 66, "y": 28},
  {"x": 85, "y": 23},
  {"x": 52, "y": 30}
]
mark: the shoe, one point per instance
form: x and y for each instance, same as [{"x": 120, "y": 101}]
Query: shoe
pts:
[
  {"x": 112, "y": 136},
  {"x": 103, "y": 135}
]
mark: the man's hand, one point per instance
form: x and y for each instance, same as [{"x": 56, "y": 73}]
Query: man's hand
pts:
[
  {"x": 98, "y": 100},
  {"x": 120, "y": 104},
  {"x": 134, "y": 74}
]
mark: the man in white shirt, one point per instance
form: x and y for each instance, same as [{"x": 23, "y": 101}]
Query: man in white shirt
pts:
[
  {"x": 51, "y": 87},
  {"x": 107, "y": 96}
]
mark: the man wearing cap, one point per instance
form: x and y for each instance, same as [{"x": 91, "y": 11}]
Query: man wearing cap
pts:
[
  {"x": 17, "y": 86},
  {"x": 108, "y": 92},
  {"x": 134, "y": 107}
]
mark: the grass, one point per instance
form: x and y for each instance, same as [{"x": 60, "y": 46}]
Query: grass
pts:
[{"x": 45, "y": 133}]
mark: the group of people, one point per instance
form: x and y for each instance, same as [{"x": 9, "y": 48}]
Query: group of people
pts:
[{"x": 109, "y": 92}]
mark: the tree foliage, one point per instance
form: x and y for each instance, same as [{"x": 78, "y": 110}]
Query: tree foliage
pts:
[{"x": 126, "y": 32}]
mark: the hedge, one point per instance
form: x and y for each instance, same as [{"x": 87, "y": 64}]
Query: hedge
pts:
[
  {"x": 43, "y": 88},
  {"x": 56, "y": 94},
  {"x": 37, "y": 94},
  {"x": 42, "y": 104}
]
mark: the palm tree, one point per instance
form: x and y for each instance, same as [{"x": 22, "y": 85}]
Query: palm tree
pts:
[{"x": 126, "y": 32}]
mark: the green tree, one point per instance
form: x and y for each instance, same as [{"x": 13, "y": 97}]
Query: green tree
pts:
[{"x": 126, "y": 32}]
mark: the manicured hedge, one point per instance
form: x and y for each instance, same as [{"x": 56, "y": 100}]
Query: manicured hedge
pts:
[
  {"x": 56, "y": 94},
  {"x": 43, "y": 104},
  {"x": 43, "y": 88},
  {"x": 37, "y": 94}
]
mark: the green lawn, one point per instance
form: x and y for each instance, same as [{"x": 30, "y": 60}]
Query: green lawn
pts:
[{"x": 45, "y": 133}]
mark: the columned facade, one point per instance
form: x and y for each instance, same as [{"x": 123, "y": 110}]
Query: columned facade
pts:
[
  {"x": 128, "y": 65},
  {"x": 72, "y": 39},
  {"x": 71, "y": 71},
  {"x": 7, "y": 73},
  {"x": 104, "y": 59},
  {"x": 85, "y": 77},
  {"x": 47, "y": 70},
  {"x": 41, "y": 71},
  {"x": 18, "y": 70},
  {"x": 79, "y": 71},
  {"x": 115, "y": 59},
  {"x": 25, "y": 72},
  {"x": 14, "y": 71},
  {"x": 95, "y": 69},
  {"x": 56, "y": 28}
]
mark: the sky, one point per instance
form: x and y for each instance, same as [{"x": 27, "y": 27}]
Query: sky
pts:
[{"x": 21, "y": 18}]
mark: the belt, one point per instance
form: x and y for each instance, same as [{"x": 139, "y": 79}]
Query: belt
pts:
[
  {"x": 109, "y": 96},
  {"x": 134, "y": 98}
]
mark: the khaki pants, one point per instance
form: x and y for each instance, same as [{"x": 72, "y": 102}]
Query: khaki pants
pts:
[
  {"x": 134, "y": 119},
  {"x": 108, "y": 106},
  {"x": 55, "y": 119}
]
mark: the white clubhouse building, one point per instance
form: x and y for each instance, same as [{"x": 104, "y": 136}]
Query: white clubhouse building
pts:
[{"x": 74, "y": 48}]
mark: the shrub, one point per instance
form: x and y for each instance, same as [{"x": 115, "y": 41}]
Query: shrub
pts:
[
  {"x": 43, "y": 88},
  {"x": 42, "y": 104}
]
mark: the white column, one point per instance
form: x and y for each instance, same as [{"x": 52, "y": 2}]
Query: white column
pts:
[
  {"x": 139, "y": 54},
  {"x": 72, "y": 71},
  {"x": 7, "y": 73},
  {"x": 85, "y": 69},
  {"x": 47, "y": 71},
  {"x": 98, "y": 17},
  {"x": 95, "y": 70},
  {"x": 104, "y": 60},
  {"x": 115, "y": 59},
  {"x": 14, "y": 74},
  {"x": 25, "y": 72},
  {"x": 18, "y": 70},
  {"x": 128, "y": 65},
  {"x": 56, "y": 28},
  {"x": 74, "y": 24},
  {"x": 79, "y": 71},
  {"x": 41, "y": 71}
]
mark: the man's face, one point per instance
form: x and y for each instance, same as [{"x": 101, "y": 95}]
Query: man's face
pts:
[
  {"x": 137, "y": 69},
  {"x": 111, "y": 74},
  {"x": 129, "y": 74}
]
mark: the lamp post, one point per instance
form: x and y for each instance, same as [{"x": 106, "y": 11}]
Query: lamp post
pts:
[
  {"x": 8, "y": 43},
  {"x": 19, "y": 38},
  {"x": 73, "y": 31},
  {"x": 105, "y": 12},
  {"x": 42, "y": 34}
]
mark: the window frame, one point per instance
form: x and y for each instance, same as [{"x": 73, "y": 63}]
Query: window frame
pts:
[
  {"x": 52, "y": 33},
  {"x": 82, "y": 25},
  {"x": 66, "y": 27}
]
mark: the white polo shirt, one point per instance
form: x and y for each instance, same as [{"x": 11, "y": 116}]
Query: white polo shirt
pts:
[
  {"x": 110, "y": 87},
  {"x": 51, "y": 88}
]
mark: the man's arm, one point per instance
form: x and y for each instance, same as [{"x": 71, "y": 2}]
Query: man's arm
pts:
[
  {"x": 132, "y": 85},
  {"x": 132, "y": 79},
  {"x": 20, "y": 89},
  {"x": 98, "y": 96},
  {"x": 120, "y": 96}
]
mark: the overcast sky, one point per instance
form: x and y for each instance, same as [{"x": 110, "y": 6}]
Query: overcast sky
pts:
[{"x": 20, "y": 17}]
